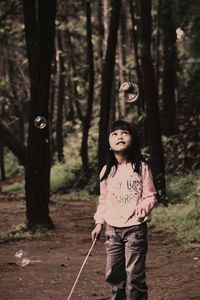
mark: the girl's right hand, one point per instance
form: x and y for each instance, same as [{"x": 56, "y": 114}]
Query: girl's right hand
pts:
[{"x": 96, "y": 231}]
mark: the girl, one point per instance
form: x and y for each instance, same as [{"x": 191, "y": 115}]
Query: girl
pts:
[{"x": 127, "y": 196}]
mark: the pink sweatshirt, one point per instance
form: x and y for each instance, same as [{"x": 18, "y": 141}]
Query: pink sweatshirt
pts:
[{"x": 122, "y": 194}]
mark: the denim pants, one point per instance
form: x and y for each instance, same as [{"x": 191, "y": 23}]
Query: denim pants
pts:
[{"x": 126, "y": 250}]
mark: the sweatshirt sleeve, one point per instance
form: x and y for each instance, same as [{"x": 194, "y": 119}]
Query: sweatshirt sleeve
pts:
[
  {"x": 99, "y": 214},
  {"x": 148, "y": 190}
]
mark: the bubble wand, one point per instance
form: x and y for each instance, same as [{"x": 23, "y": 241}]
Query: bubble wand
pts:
[{"x": 83, "y": 264}]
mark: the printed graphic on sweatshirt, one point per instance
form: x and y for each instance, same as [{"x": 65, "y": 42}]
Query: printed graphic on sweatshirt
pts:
[{"x": 126, "y": 192}]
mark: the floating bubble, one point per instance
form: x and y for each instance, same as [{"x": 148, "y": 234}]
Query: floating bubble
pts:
[
  {"x": 130, "y": 91},
  {"x": 22, "y": 258},
  {"x": 40, "y": 122}
]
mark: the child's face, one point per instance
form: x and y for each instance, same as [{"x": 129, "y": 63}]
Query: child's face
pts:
[{"x": 120, "y": 140}]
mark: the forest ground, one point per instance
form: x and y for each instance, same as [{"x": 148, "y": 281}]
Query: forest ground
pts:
[{"x": 57, "y": 255}]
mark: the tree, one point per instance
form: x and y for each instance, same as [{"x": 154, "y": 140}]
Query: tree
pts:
[
  {"x": 122, "y": 56},
  {"x": 87, "y": 118},
  {"x": 141, "y": 104},
  {"x": 61, "y": 97},
  {"x": 73, "y": 74},
  {"x": 169, "y": 68},
  {"x": 107, "y": 80},
  {"x": 2, "y": 167},
  {"x": 151, "y": 97},
  {"x": 11, "y": 142},
  {"x": 100, "y": 27},
  {"x": 39, "y": 18}
]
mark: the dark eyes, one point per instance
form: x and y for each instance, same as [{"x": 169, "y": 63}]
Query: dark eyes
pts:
[{"x": 124, "y": 133}]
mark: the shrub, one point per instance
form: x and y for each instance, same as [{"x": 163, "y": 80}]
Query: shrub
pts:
[
  {"x": 17, "y": 187},
  {"x": 63, "y": 177},
  {"x": 181, "y": 218},
  {"x": 181, "y": 188}
]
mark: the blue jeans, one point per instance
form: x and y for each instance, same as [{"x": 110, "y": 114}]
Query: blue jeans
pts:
[{"x": 126, "y": 255}]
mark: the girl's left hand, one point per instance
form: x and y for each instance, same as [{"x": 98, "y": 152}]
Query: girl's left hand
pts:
[{"x": 141, "y": 214}]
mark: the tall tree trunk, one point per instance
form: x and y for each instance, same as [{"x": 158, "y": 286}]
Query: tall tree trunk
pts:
[
  {"x": 141, "y": 103},
  {"x": 70, "y": 50},
  {"x": 157, "y": 42},
  {"x": 151, "y": 96},
  {"x": 106, "y": 9},
  {"x": 20, "y": 116},
  {"x": 121, "y": 46},
  {"x": 69, "y": 112},
  {"x": 52, "y": 108},
  {"x": 2, "y": 166},
  {"x": 100, "y": 27},
  {"x": 2, "y": 163},
  {"x": 107, "y": 81},
  {"x": 15, "y": 98},
  {"x": 10, "y": 141},
  {"x": 87, "y": 119},
  {"x": 113, "y": 103},
  {"x": 61, "y": 95},
  {"x": 40, "y": 32},
  {"x": 122, "y": 60},
  {"x": 169, "y": 69}
]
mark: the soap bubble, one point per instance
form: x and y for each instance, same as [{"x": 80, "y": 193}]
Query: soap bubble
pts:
[
  {"x": 40, "y": 122},
  {"x": 22, "y": 258},
  {"x": 130, "y": 91}
]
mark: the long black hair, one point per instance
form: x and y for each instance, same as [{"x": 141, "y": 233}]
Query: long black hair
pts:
[{"x": 134, "y": 155}]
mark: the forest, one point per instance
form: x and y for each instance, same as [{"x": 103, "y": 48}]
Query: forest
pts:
[{"x": 62, "y": 65}]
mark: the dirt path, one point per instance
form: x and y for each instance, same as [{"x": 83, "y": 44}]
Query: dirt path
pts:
[{"x": 56, "y": 258}]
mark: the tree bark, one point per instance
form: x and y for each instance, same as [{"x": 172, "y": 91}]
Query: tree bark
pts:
[
  {"x": 52, "y": 108},
  {"x": 70, "y": 50},
  {"x": 61, "y": 95},
  {"x": 70, "y": 111},
  {"x": 100, "y": 27},
  {"x": 157, "y": 42},
  {"x": 169, "y": 69},
  {"x": 14, "y": 97},
  {"x": 40, "y": 32},
  {"x": 107, "y": 81},
  {"x": 141, "y": 103},
  {"x": 106, "y": 8},
  {"x": 10, "y": 141},
  {"x": 151, "y": 96},
  {"x": 87, "y": 119},
  {"x": 2, "y": 166},
  {"x": 122, "y": 60}
]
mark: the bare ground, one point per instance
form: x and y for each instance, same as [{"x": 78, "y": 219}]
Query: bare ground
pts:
[{"x": 56, "y": 258}]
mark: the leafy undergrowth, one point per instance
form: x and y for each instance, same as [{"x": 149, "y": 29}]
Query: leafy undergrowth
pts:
[
  {"x": 181, "y": 218},
  {"x": 21, "y": 232}
]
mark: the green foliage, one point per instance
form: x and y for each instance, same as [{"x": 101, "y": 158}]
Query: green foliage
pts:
[
  {"x": 66, "y": 177},
  {"x": 20, "y": 232},
  {"x": 83, "y": 195},
  {"x": 17, "y": 187},
  {"x": 93, "y": 183},
  {"x": 12, "y": 166},
  {"x": 183, "y": 219},
  {"x": 181, "y": 151},
  {"x": 182, "y": 188},
  {"x": 63, "y": 177}
]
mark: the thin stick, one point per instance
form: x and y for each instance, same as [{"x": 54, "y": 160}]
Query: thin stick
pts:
[
  {"x": 81, "y": 269},
  {"x": 133, "y": 214}
]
